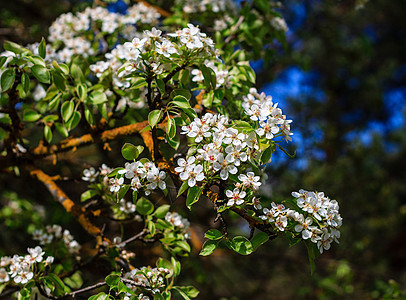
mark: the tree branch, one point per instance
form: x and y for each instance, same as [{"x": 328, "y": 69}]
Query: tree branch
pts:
[{"x": 75, "y": 210}]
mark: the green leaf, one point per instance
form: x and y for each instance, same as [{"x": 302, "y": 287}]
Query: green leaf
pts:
[
  {"x": 158, "y": 296},
  {"x": 209, "y": 77},
  {"x": 48, "y": 134},
  {"x": 67, "y": 109},
  {"x": 183, "y": 245},
  {"x": 112, "y": 280},
  {"x": 151, "y": 228},
  {"x": 160, "y": 85},
  {"x": 7, "y": 79},
  {"x": 54, "y": 101},
  {"x": 213, "y": 234},
  {"x": 185, "y": 77},
  {"x": 77, "y": 73},
  {"x": 89, "y": 116},
  {"x": 241, "y": 245},
  {"x": 122, "y": 288},
  {"x": 81, "y": 90},
  {"x": 259, "y": 239},
  {"x": 64, "y": 69},
  {"x": 114, "y": 172},
  {"x": 183, "y": 188},
  {"x": 60, "y": 287},
  {"x": 123, "y": 190},
  {"x": 99, "y": 296},
  {"x": 171, "y": 128},
  {"x": 193, "y": 196},
  {"x": 176, "y": 266},
  {"x": 25, "y": 82},
  {"x": 144, "y": 206},
  {"x": 131, "y": 152},
  {"x": 59, "y": 81},
  {"x": 61, "y": 130},
  {"x": 37, "y": 60},
  {"x": 13, "y": 47},
  {"x": 181, "y": 101},
  {"x": 88, "y": 194},
  {"x": 3, "y": 60},
  {"x": 42, "y": 48},
  {"x": 97, "y": 97},
  {"x": 181, "y": 92},
  {"x": 174, "y": 142},
  {"x": 154, "y": 117},
  {"x": 31, "y": 115},
  {"x": 139, "y": 83},
  {"x": 208, "y": 247},
  {"x": 73, "y": 121},
  {"x": 266, "y": 155},
  {"x": 187, "y": 292},
  {"x": 161, "y": 211},
  {"x": 41, "y": 73}
]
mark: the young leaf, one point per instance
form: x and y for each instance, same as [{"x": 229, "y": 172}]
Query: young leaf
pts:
[
  {"x": 48, "y": 133},
  {"x": 160, "y": 85},
  {"x": 31, "y": 115},
  {"x": 129, "y": 151},
  {"x": 154, "y": 117},
  {"x": 181, "y": 102},
  {"x": 213, "y": 234},
  {"x": 97, "y": 97},
  {"x": 41, "y": 73},
  {"x": 171, "y": 128},
  {"x": 183, "y": 188},
  {"x": 208, "y": 247},
  {"x": 241, "y": 245},
  {"x": 193, "y": 196},
  {"x": 25, "y": 81},
  {"x": 161, "y": 211},
  {"x": 7, "y": 79},
  {"x": 259, "y": 239},
  {"x": 144, "y": 206},
  {"x": 174, "y": 142},
  {"x": 73, "y": 121},
  {"x": 67, "y": 110},
  {"x": 42, "y": 48}
]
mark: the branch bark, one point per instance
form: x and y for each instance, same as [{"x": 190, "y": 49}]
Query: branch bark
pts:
[{"x": 75, "y": 210}]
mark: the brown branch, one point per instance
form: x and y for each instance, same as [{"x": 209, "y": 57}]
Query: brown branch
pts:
[
  {"x": 253, "y": 222},
  {"x": 234, "y": 30},
  {"x": 84, "y": 290},
  {"x": 87, "y": 139},
  {"x": 75, "y": 210}
]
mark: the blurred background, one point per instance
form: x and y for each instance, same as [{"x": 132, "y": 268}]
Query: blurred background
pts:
[{"x": 342, "y": 80}]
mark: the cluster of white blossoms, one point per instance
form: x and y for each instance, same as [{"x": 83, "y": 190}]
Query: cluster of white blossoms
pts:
[
  {"x": 319, "y": 222},
  {"x": 127, "y": 207},
  {"x": 223, "y": 78},
  {"x": 53, "y": 234},
  {"x": 68, "y": 29},
  {"x": 151, "y": 279},
  {"x": 129, "y": 58},
  {"x": 272, "y": 123},
  {"x": 144, "y": 176},
  {"x": 179, "y": 222},
  {"x": 222, "y": 23},
  {"x": 279, "y": 24},
  {"x": 199, "y": 6},
  {"x": 21, "y": 268},
  {"x": 221, "y": 149}
]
